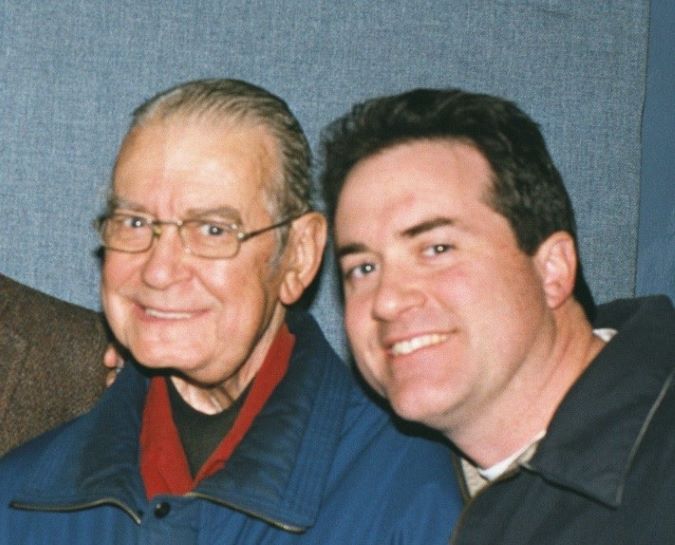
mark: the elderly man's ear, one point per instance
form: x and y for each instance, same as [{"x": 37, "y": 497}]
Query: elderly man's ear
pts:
[
  {"x": 304, "y": 251},
  {"x": 556, "y": 260}
]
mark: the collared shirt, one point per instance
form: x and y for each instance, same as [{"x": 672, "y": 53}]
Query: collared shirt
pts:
[
  {"x": 164, "y": 466},
  {"x": 477, "y": 478}
]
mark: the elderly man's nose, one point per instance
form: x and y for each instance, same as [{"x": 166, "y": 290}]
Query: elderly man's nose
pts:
[{"x": 164, "y": 264}]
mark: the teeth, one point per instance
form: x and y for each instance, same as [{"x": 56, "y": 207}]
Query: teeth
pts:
[
  {"x": 406, "y": 347},
  {"x": 167, "y": 315}
]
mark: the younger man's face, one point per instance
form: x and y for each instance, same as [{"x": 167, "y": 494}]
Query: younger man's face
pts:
[{"x": 442, "y": 309}]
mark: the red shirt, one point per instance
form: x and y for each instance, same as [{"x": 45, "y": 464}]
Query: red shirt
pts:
[{"x": 164, "y": 466}]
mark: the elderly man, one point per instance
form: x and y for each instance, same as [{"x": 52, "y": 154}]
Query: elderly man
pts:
[
  {"x": 459, "y": 284},
  {"x": 241, "y": 425},
  {"x": 50, "y": 359}
]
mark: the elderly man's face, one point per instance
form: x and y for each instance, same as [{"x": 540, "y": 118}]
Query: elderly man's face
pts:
[
  {"x": 442, "y": 309},
  {"x": 211, "y": 319}
]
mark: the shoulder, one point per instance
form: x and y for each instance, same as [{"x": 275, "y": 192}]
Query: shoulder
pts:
[
  {"x": 30, "y": 308},
  {"x": 49, "y": 325},
  {"x": 370, "y": 432},
  {"x": 51, "y": 358},
  {"x": 18, "y": 466},
  {"x": 407, "y": 456},
  {"x": 620, "y": 313},
  {"x": 406, "y": 470},
  {"x": 67, "y": 337},
  {"x": 656, "y": 443},
  {"x": 367, "y": 418}
]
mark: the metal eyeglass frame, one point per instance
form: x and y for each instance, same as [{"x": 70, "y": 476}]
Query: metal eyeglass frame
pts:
[{"x": 156, "y": 228}]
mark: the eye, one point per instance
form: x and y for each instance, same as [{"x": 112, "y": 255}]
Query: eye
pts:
[
  {"x": 437, "y": 249},
  {"x": 359, "y": 271},
  {"x": 212, "y": 229},
  {"x": 127, "y": 221}
]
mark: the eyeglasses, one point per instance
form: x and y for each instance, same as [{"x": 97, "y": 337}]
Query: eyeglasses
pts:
[{"x": 133, "y": 234}]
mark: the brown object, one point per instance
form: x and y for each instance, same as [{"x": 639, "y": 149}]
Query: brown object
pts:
[{"x": 51, "y": 361}]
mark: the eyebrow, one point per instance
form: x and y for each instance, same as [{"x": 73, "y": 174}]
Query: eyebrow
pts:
[
  {"x": 115, "y": 201},
  {"x": 428, "y": 225},
  {"x": 228, "y": 212},
  {"x": 348, "y": 249},
  {"x": 410, "y": 232}
]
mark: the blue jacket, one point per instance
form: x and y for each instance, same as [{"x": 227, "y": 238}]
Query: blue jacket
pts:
[{"x": 321, "y": 464}]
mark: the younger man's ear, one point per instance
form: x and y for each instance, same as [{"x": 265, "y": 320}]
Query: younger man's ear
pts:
[
  {"x": 304, "y": 251},
  {"x": 556, "y": 259}
]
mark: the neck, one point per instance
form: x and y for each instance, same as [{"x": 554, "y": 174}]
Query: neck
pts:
[
  {"x": 525, "y": 408},
  {"x": 214, "y": 398},
  {"x": 206, "y": 399}
]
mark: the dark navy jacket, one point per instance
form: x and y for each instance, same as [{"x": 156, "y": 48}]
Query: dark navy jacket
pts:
[
  {"x": 604, "y": 473},
  {"x": 321, "y": 464}
]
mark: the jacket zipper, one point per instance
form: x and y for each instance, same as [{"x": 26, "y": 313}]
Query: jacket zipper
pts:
[
  {"x": 78, "y": 507},
  {"x": 254, "y": 514},
  {"x": 137, "y": 519}
]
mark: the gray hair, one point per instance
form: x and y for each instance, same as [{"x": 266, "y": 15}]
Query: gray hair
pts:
[{"x": 235, "y": 100}]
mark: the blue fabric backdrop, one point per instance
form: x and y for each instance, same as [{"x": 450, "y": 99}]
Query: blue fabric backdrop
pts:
[
  {"x": 656, "y": 241},
  {"x": 73, "y": 70}
]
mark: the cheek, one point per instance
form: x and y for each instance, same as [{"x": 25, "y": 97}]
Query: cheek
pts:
[
  {"x": 241, "y": 297},
  {"x": 372, "y": 376},
  {"x": 231, "y": 286},
  {"x": 108, "y": 283},
  {"x": 468, "y": 295},
  {"x": 115, "y": 274},
  {"x": 363, "y": 338},
  {"x": 356, "y": 322},
  {"x": 116, "y": 269}
]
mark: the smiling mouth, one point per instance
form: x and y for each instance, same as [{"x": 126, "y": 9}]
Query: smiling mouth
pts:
[
  {"x": 166, "y": 315},
  {"x": 409, "y": 346}
]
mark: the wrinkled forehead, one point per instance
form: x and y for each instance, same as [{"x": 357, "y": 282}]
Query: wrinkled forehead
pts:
[
  {"x": 208, "y": 135},
  {"x": 213, "y": 128},
  {"x": 187, "y": 153}
]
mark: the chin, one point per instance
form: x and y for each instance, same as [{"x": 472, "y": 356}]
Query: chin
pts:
[
  {"x": 160, "y": 356},
  {"x": 413, "y": 405},
  {"x": 405, "y": 405}
]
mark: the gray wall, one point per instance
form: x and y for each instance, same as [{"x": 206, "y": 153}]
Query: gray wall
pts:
[{"x": 71, "y": 71}]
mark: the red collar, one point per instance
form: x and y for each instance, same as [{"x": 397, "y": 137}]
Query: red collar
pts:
[{"x": 163, "y": 464}]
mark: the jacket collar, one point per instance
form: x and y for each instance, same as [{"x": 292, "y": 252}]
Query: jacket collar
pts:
[
  {"x": 279, "y": 471},
  {"x": 96, "y": 457},
  {"x": 594, "y": 435}
]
